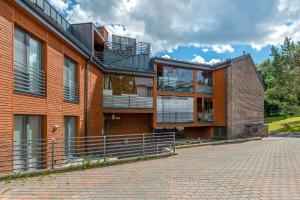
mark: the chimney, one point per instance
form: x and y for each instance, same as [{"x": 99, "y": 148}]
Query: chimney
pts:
[{"x": 103, "y": 32}]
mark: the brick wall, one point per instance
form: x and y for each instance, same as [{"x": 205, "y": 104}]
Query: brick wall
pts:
[
  {"x": 52, "y": 107},
  {"x": 245, "y": 96}
]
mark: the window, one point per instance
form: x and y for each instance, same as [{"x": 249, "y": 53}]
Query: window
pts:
[
  {"x": 128, "y": 92},
  {"x": 175, "y": 109},
  {"x": 175, "y": 79},
  {"x": 29, "y": 75},
  {"x": 205, "y": 109},
  {"x": 69, "y": 136},
  {"x": 71, "y": 89},
  {"x": 204, "y": 82},
  {"x": 28, "y": 143}
]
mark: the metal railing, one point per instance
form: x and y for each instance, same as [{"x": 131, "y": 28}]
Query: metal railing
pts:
[
  {"x": 36, "y": 155},
  {"x": 175, "y": 117},
  {"x": 50, "y": 11},
  {"x": 129, "y": 56},
  {"x": 205, "y": 117},
  {"x": 204, "y": 89},
  {"x": 29, "y": 79},
  {"x": 127, "y": 102},
  {"x": 71, "y": 92},
  {"x": 175, "y": 84}
]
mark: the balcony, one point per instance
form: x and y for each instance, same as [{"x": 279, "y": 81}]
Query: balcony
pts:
[
  {"x": 175, "y": 117},
  {"x": 125, "y": 56},
  {"x": 175, "y": 84},
  {"x": 205, "y": 117},
  {"x": 29, "y": 79},
  {"x": 127, "y": 102},
  {"x": 71, "y": 92},
  {"x": 203, "y": 89}
]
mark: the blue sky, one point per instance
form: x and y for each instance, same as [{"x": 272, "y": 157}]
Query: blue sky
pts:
[{"x": 194, "y": 30}]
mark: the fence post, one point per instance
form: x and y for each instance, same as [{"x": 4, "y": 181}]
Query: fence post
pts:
[
  {"x": 52, "y": 156},
  {"x": 104, "y": 148},
  {"x": 174, "y": 142},
  {"x": 143, "y": 144}
]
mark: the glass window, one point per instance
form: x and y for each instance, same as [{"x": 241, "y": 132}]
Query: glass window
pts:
[
  {"x": 27, "y": 143},
  {"x": 175, "y": 79},
  {"x": 71, "y": 89},
  {"x": 28, "y": 70},
  {"x": 175, "y": 109},
  {"x": 69, "y": 136},
  {"x": 205, "y": 109},
  {"x": 128, "y": 85},
  {"x": 204, "y": 78}
]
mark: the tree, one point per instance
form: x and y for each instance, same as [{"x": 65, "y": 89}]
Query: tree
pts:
[{"x": 281, "y": 76}]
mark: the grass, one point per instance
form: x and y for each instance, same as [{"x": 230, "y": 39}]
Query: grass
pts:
[{"x": 281, "y": 124}]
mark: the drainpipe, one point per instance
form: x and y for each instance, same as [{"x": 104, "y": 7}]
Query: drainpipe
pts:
[{"x": 86, "y": 96}]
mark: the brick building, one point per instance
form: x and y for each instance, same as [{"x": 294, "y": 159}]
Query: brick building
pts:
[{"x": 61, "y": 80}]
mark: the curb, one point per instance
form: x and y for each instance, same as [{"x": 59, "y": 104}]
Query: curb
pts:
[{"x": 183, "y": 146}]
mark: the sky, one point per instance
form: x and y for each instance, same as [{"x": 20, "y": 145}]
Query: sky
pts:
[{"x": 203, "y": 31}]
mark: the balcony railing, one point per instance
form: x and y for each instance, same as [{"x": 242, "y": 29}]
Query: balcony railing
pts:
[
  {"x": 29, "y": 79},
  {"x": 127, "y": 102},
  {"x": 175, "y": 117},
  {"x": 175, "y": 84},
  {"x": 204, "y": 89},
  {"x": 205, "y": 117},
  {"x": 50, "y": 11},
  {"x": 71, "y": 92},
  {"x": 127, "y": 56}
]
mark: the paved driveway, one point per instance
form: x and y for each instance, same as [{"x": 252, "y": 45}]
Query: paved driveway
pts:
[{"x": 267, "y": 169}]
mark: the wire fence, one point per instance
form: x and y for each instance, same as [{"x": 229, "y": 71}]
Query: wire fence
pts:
[{"x": 61, "y": 152}]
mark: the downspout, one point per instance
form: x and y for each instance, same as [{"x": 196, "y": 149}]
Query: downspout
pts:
[{"x": 86, "y": 96}]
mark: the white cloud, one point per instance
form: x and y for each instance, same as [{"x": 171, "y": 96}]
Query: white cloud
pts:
[
  {"x": 60, "y": 5},
  {"x": 201, "y": 60},
  {"x": 222, "y": 48},
  {"x": 198, "y": 59},
  {"x": 166, "y": 56},
  {"x": 214, "y": 61},
  {"x": 200, "y": 23},
  {"x": 205, "y": 50}
]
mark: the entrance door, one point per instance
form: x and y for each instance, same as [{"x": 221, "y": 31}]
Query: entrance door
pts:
[
  {"x": 69, "y": 137},
  {"x": 28, "y": 144}
]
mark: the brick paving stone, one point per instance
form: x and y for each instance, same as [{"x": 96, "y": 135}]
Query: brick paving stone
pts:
[{"x": 267, "y": 169}]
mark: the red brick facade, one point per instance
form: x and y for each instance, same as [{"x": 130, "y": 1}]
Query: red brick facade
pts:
[{"x": 245, "y": 96}]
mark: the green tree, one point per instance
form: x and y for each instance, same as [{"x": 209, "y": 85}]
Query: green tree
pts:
[{"x": 281, "y": 76}]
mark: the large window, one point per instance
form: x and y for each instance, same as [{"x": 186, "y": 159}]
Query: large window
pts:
[
  {"x": 205, "y": 109},
  {"x": 204, "y": 82},
  {"x": 71, "y": 89},
  {"x": 175, "y": 79},
  {"x": 29, "y": 75},
  {"x": 28, "y": 143},
  {"x": 175, "y": 109},
  {"x": 127, "y": 92}
]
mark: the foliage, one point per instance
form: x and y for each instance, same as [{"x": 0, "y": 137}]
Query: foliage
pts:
[
  {"x": 281, "y": 124},
  {"x": 281, "y": 77}
]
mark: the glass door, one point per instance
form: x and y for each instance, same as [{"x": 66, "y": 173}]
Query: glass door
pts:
[
  {"x": 28, "y": 148},
  {"x": 69, "y": 137}
]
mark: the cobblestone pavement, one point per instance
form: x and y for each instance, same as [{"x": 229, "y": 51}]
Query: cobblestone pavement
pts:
[{"x": 267, "y": 169}]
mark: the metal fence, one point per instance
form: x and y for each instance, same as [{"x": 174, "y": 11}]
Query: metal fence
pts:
[
  {"x": 71, "y": 92},
  {"x": 61, "y": 152}
]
